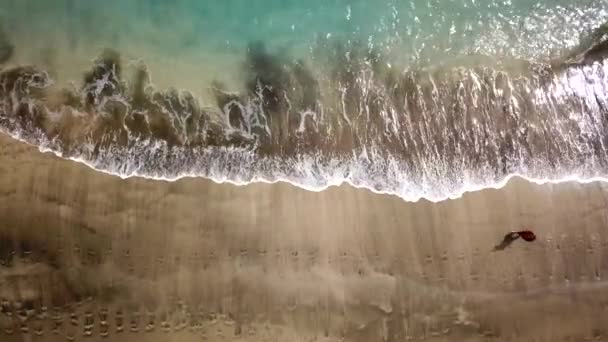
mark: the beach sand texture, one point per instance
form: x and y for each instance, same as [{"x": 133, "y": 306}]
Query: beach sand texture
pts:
[{"x": 86, "y": 255}]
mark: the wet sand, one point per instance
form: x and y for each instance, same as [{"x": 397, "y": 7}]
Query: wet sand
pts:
[{"x": 86, "y": 255}]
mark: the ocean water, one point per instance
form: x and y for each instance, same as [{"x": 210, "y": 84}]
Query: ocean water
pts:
[{"x": 421, "y": 99}]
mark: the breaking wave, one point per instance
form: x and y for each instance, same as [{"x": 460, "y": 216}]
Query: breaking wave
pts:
[{"x": 350, "y": 114}]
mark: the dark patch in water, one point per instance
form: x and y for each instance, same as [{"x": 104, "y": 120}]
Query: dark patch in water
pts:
[
  {"x": 266, "y": 74},
  {"x": 6, "y": 52},
  {"x": 592, "y": 48},
  {"x": 6, "y": 48},
  {"x": 104, "y": 79}
]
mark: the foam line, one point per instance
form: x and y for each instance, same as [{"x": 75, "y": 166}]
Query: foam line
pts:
[{"x": 333, "y": 183}]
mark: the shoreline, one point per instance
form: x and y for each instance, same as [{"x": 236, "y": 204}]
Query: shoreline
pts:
[{"x": 344, "y": 182}]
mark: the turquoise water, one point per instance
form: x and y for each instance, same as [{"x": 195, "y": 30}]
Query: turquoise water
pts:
[
  {"x": 419, "y": 99},
  {"x": 409, "y": 30},
  {"x": 181, "y": 39}
]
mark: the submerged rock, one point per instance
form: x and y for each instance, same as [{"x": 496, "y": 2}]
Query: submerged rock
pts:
[{"x": 7, "y": 49}]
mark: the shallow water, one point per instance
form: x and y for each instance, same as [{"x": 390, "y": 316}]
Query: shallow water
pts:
[{"x": 418, "y": 99}]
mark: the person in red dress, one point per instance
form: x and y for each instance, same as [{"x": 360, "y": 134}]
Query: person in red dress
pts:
[{"x": 527, "y": 235}]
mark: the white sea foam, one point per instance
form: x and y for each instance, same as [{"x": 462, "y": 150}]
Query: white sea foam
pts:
[{"x": 310, "y": 183}]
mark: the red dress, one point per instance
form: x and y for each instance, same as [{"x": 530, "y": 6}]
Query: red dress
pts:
[{"x": 527, "y": 235}]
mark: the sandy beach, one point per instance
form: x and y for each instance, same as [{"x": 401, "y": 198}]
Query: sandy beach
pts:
[{"x": 89, "y": 254}]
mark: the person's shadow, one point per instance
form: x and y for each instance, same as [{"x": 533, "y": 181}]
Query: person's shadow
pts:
[{"x": 506, "y": 241}]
